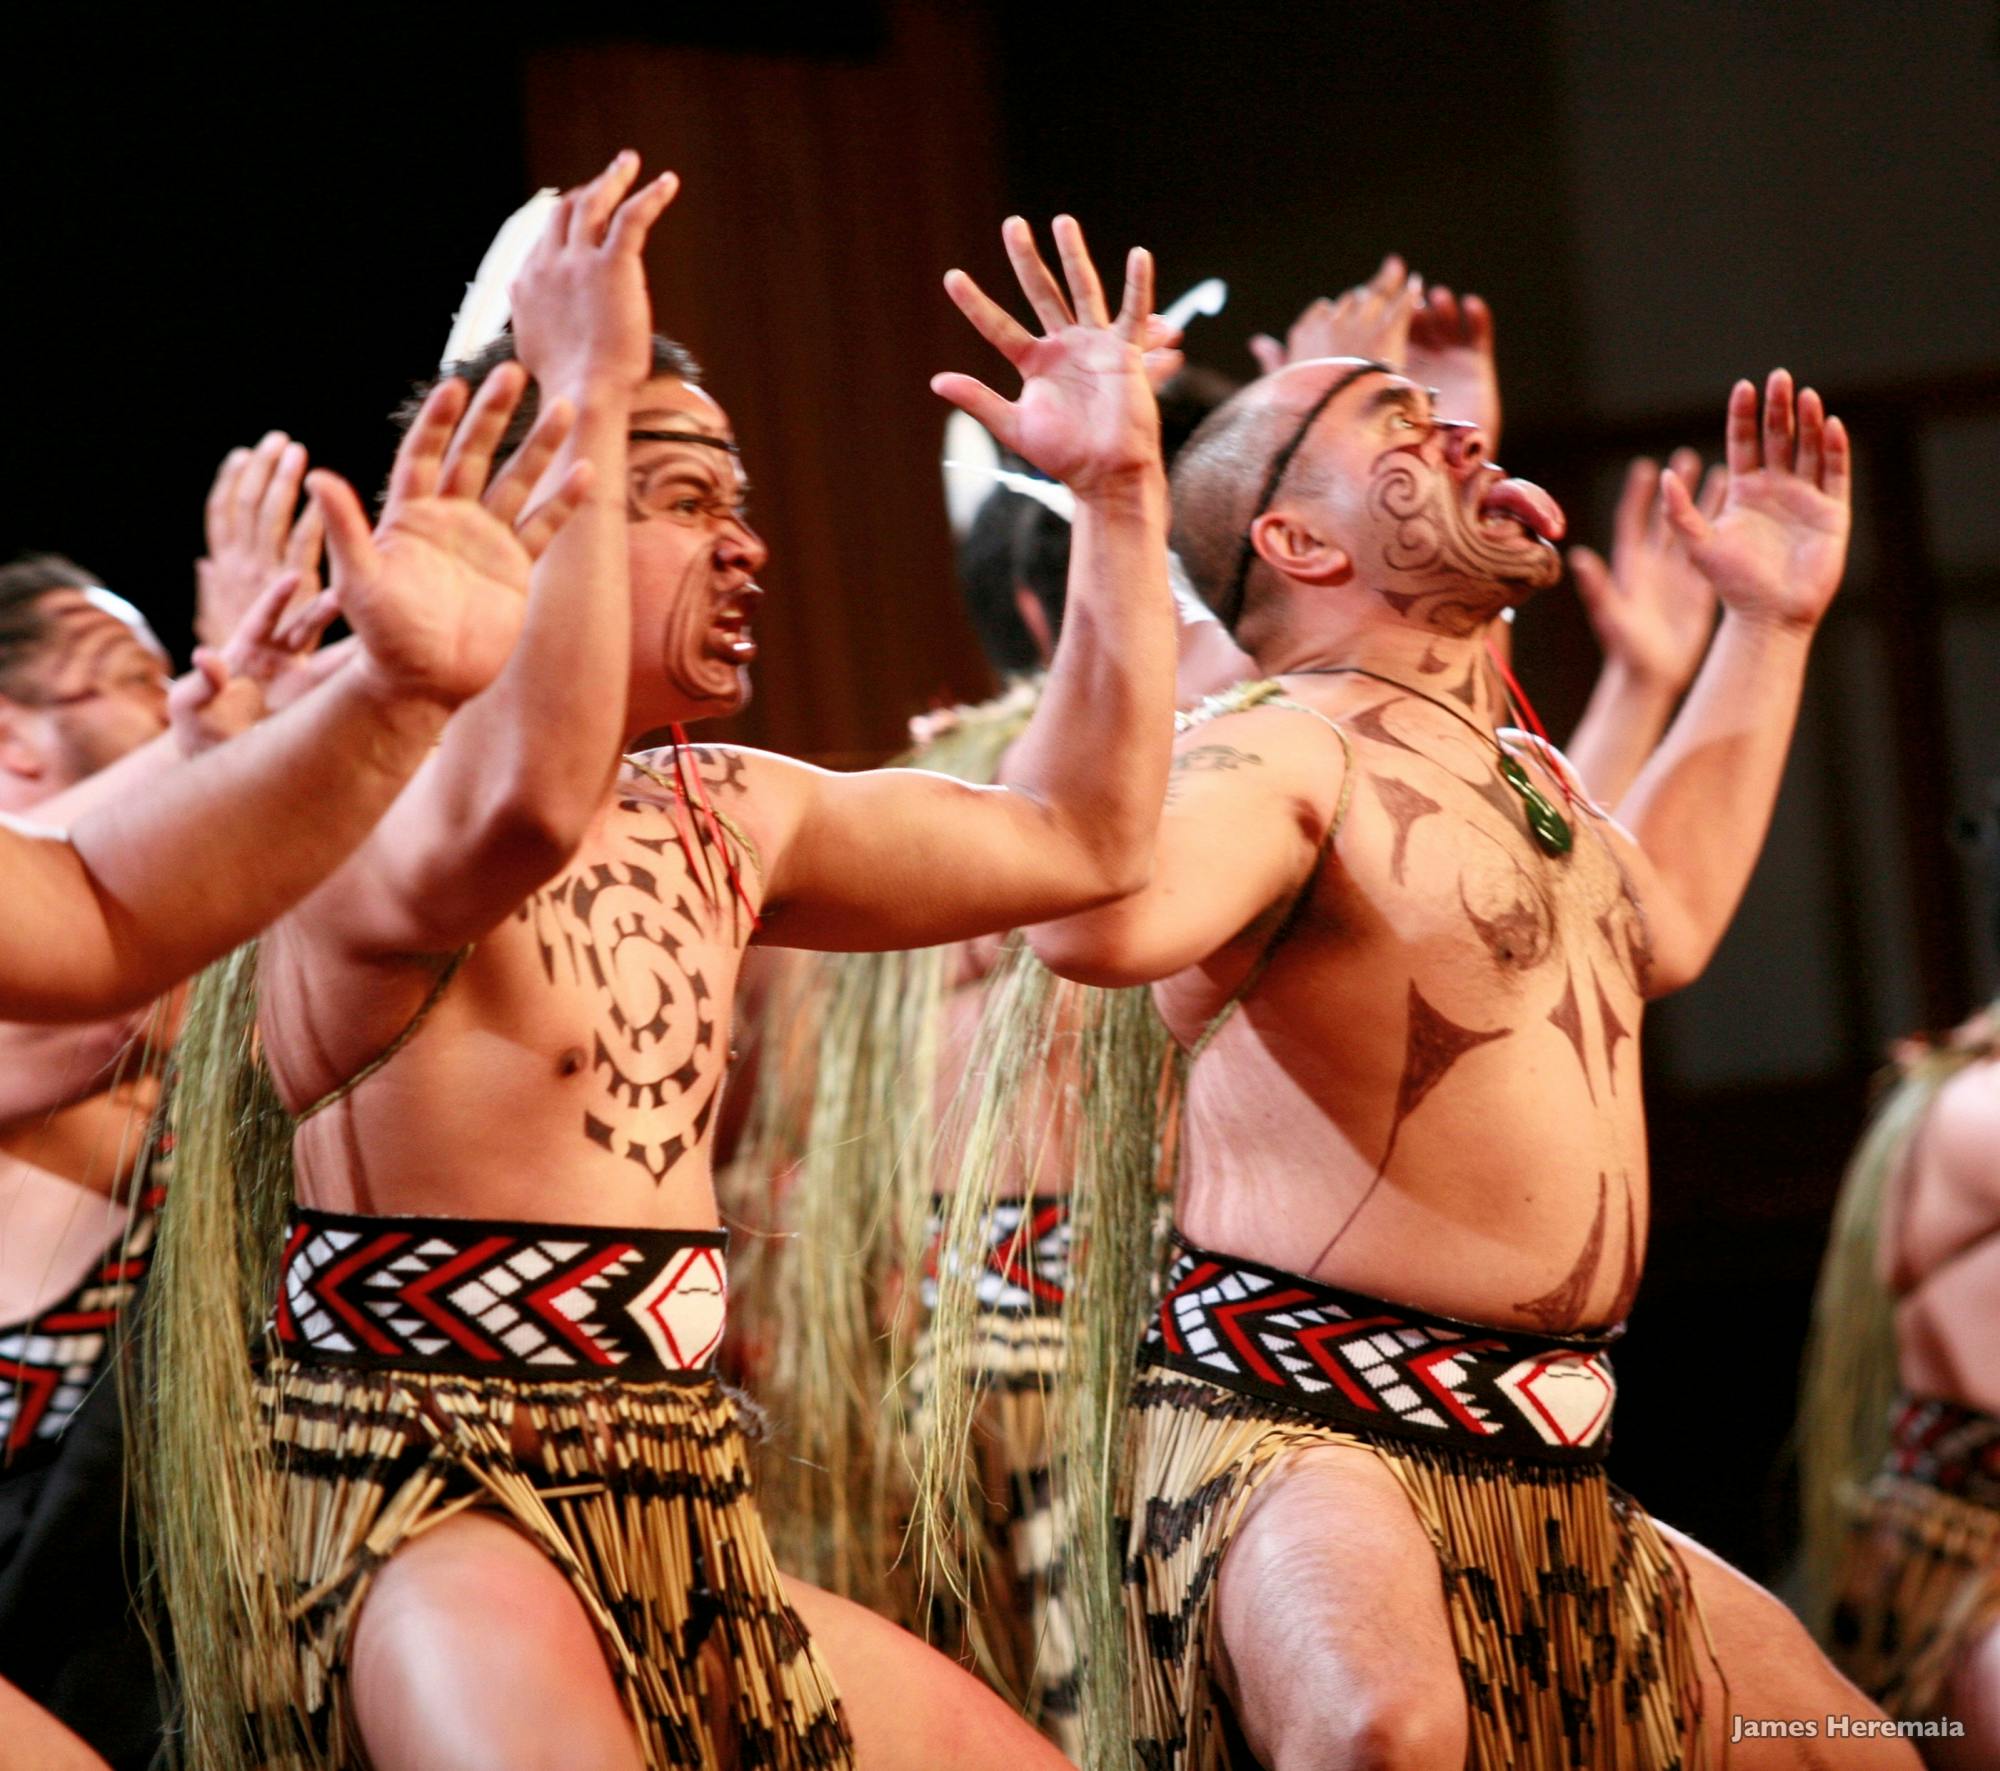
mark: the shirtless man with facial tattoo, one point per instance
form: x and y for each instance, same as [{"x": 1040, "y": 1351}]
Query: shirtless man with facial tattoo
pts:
[{"x": 1409, "y": 959}]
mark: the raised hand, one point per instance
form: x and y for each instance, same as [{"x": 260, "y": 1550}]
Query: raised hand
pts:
[
  {"x": 1086, "y": 413},
  {"x": 1372, "y": 319},
  {"x": 582, "y": 316},
  {"x": 1776, "y": 548},
  {"x": 435, "y": 595},
  {"x": 1651, "y": 608},
  {"x": 1451, "y": 351},
  {"x": 254, "y": 530}
]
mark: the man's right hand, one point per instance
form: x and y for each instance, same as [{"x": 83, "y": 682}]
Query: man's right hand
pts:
[
  {"x": 1086, "y": 414},
  {"x": 582, "y": 317},
  {"x": 1370, "y": 320},
  {"x": 435, "y": 595}
]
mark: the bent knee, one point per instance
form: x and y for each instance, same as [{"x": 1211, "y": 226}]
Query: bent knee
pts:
[{"x": 1407, "y": 1729}]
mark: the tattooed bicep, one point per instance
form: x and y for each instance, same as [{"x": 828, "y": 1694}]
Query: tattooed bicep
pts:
[{"x": 1207, "y": 759}]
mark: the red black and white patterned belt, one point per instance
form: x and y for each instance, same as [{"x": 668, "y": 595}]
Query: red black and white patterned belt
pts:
[
  {"x": 1953, "y": 1449},
  {"x": 1382, "y": 1369},
  {"x": 1025, "y": 1266},
  {"x": 478, "y": 1297}
]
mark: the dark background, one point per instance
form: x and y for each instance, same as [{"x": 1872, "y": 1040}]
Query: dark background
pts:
[{"x": 214, "y": 228}]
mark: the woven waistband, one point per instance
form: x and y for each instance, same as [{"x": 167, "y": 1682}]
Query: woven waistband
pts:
[
  {"x": 1953, "y": 1449},
  {"x": 1378, "y": 1368},
  {"x": 474, "y": 1296},
  {"x": 1026, "y": 1261}
]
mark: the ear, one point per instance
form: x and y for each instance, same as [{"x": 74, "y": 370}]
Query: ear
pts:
[
  {"x": 21, "y": 757},
  {"x": 1035, "y": 619},
  {"x": 1294, "y": 548}
]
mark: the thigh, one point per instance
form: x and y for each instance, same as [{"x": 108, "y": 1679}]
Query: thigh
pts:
[
  {"x": 1772, "y": 1669},
  {"x": 1972, "y": 1696},
  {"x": 1336, "y": 1647},
  {"x": 472, "y": 1653},
  {"x": 907, "y": 1705}
]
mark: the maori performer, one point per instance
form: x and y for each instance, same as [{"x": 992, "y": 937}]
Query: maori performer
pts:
[
  {"x": 495, "y": 1501},
  {"x": 1899, "y": 1422},
  {"x": 1406, "y": 956},
  {"x": 83, "y": 688}
]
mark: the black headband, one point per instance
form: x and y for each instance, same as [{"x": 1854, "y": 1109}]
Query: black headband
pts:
[
  {"x": 682, "y": 436},
  {"x": 1230, "y": 608}
]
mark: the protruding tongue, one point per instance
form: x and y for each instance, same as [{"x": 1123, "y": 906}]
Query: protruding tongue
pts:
[{"x": 1530, "y": 504}]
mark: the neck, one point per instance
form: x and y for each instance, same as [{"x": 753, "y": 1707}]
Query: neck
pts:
[{"x": 1458, "y": 670}]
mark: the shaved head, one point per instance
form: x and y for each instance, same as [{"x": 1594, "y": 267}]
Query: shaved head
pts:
[{"x": 1233, "y": 467}]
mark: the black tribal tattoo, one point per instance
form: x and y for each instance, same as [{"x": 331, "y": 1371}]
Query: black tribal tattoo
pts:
[{"x": 633, "y": 931}]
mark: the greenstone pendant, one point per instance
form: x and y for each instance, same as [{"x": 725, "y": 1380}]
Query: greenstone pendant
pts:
[{"x": 1549, "y": 827}]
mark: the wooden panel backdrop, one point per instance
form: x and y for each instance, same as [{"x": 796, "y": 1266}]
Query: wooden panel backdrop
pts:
[{"x": 822, "y": 201}]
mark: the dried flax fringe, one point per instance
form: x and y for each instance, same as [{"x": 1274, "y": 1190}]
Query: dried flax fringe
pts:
[
  {"x": 1099, "y": 1068},
  {"x": 199, "y": 1466},
  {"x": 649, "y": 1517},
  {"x": 1921, "y": 1580},
  {"x": 1205, "y": 1462},
  {"x": 831, "y": 1298},
  {"x": 1849, "y": 1381}
]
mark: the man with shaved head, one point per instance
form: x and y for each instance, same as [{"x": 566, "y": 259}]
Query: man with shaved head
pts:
[{"x": 1406, "y": 959}]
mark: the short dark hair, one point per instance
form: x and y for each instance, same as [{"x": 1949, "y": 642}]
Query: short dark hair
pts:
[
  {"x": 1013, "y": 542},
  {"x": 24, "y": 629},
  {"x": 669, "y": 358}
]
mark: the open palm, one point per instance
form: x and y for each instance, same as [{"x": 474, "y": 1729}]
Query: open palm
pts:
[
  {"x": 1086, "y": 413},
  {"x": 436, "y": 594},
  {"x": 1777, "y": 547}
]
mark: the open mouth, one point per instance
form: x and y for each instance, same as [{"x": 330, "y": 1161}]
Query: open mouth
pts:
[
  {"x": 1528, "y": 505},
  {"x": 730, "y": 632}
]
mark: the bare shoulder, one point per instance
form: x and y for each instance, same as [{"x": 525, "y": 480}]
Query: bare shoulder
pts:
[
  {"x": 1272, "y": 753},
  {"x": 1961, "y": 1139}
]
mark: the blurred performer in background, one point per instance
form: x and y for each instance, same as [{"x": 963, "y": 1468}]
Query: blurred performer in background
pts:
[
  {"x": 83, "y": 686},
  {"x": 494, "y": 1501},
  {"x": 1899, "y": 1420}
]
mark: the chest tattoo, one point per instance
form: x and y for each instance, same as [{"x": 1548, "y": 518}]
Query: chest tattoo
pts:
[
  {"x": 643, "y": 937},
  {"x": 1405, "y": 805}
]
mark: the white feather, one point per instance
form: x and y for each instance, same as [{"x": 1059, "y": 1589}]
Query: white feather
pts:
[
  {"x": 1206, "y": 297},
  {"x": 970, "y": 458},
  {"x": 487, "y": 307},
  {"x": 1052, "y": 494}
]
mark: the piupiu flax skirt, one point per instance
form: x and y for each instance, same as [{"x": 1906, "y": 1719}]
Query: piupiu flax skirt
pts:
[
  {"x": 1573, "y": 1621},
  {"x": 1020, "y": 1635},
  {"x": 1919, "y": 1580},
  {"x": 430, "y": 1366}
]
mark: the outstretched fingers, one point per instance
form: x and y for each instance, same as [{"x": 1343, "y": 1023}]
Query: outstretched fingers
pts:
[
  {"x": 635, "y": 217},
  {"x": 989, "y": 319},
  {"x": 971, "y": 395},
  {"x": 1037, "y": 284},
  {"x": 1636, "y": 505},
  {"x": 1837, "y": 469},
  {"x": 350, "y": 545},
  {"x": 1812, "y": 436},
  {"x": 469, "y": 459},
  {"x": 599, "y": 199},
  {"x": 1086, "y": 292},
  {"x": 420, "y": 459},
  {"x": 1135, "y": 312},
  {"x": 1779, "y": 427},
  {"x": 1740, "y": 430},
  {"x": 542, "y": 524},
  {"x": 523, "y": 470},
  {"x": 1682, "y": 516},
  {"x": 219, "y": 513}
]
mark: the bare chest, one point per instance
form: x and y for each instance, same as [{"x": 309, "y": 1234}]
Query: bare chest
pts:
[{"x": 634, "y": 950}]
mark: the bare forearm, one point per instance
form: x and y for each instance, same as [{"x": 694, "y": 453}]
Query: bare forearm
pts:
[
  {"x": 157, "y": 884},
  {"x": 1701, "y": 807},
  {"x": 1619, "y": 730},
  {"x": 133, "y": 772},
  {"x": 1096, "y": 754},
  {"x": 541, "y": 746}
]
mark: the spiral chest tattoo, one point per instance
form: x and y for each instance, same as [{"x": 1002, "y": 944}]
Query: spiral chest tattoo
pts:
[{"x": 640, "y": 931}]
